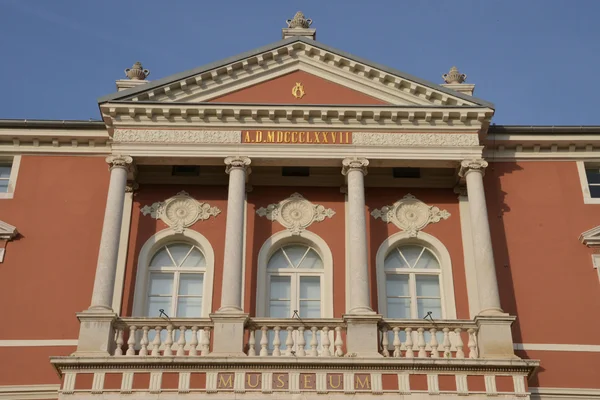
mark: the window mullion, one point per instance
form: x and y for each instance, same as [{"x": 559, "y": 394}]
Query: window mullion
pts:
[
  {"x": 412, "y": 287},
  {"x": 175, "y": 293}
]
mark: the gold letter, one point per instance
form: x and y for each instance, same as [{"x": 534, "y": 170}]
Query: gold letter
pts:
[
  {"x": 301, "y": 140},
  {"x": 270, "y": 138},
  {"x": 286, "y": 136},
  {"x": 279, "y": 137},
  {"x": 258, "y": 136},
  {"x": 225, "y": 384},
  {"x": 333, "y": 135},
  {"x": 307, "y": 382},
  {"x": 325, "y": 137},
  {"x": 281, "y": 383},
  {"x": 347, "y": 141},
  {"x": 339, "y": 382},
  {"x": 366, "y": 384},
  {"x": 308, "y": 137},
  {"x": 247, "y": 137},
  {"x": 294, "y": 137},
  {"x": 317, "y": 140},
  {"x": 249, "y": 380}
]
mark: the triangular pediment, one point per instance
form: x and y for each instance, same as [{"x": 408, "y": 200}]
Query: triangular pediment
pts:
[
  {"x": 267, "y": 75},
  {"x": 7, "y": 231},
  {"x": 591, "y": 238}
]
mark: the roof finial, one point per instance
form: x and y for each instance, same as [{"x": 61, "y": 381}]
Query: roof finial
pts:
[
  {"x": 299, "y": 26},
  {"x": 137, "y": 72},
  {"x": 454, "y": 76},
  {"x": 299, "y": 21}
]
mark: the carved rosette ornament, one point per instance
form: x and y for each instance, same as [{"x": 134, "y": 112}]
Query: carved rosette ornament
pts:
[
  {"x": 410, "y": 214},
  {"x": 354, "y": 164},
  {"x": 234, "y": 162},
  {"x": 119, "y": 161},
  {"x": 180, "y": 211},
  {"x": 295, "y": 213},
  {"x": 454, "y": 76},
  {"x": 137, "y": 72},
  {"x": 299, "y": 21},
  {"x": 474, "y": 165}
]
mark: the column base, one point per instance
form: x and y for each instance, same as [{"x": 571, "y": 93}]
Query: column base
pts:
[
  {"x": 228, "y": 334},
  {"x": 96, "y": 333},
  {"x": 494, "y": 337},
  {"x": 362, "y": 335}
]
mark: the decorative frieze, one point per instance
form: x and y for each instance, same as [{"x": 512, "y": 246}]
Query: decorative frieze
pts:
[
  {"x": 410, "y": 214},
  {"x": 180, "y": 211},
  {"x": 295, "y": 213},
  {"x": 176, "y": 136},
  {"x": 415, "y": 139}
]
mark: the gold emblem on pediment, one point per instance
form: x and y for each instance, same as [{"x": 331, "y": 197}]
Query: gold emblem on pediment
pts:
[{"x": 298, "y": 90}]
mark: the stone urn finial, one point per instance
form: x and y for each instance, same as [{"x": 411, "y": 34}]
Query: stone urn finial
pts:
[
  {"x": 299, "y": 21},
  {"x": 137, "y": 72},
  {"x": 454, "y": 76}
]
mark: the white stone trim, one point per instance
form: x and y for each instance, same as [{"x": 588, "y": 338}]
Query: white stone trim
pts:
[
  {"x": 440, "y": 251},
  {"x": 415, "y": 139},
  {"x": 184, "y": 382},
  {"x": 469, "y": 256},
  {"x": 12, "y": 180},
  {"x": 127, "y": 382},
  {"x": 347, "y": 254},
  {"x": 38, "y": 343},
  {"x": 274, "y": 243},
  {"x": 461, "y": 384},
  {"x": 519, "y": 385},
  {"x": 152, "y": 245},
  {"x": 587, "y": 198},
  {"x": 543, "y": 393},
  {"x": 596, "y": 263},
  {"x": 176, "y": 136},
  {"x": 155, "y": 382},
  {"x": 98, "y": 382},
  {"x": 592, "y": 348},
  {"x": 27, "y": 392},
  {"x": 490, "y": 385},
  {"x": 403, "y": 383},
  {"x": 433, "y": 386},
  {"x": 123, "y": 252}
]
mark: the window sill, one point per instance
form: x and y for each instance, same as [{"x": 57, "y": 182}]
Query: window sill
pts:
[{"x": 11, "y": 195}]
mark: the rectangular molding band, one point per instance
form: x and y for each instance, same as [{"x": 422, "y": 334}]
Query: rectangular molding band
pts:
[
  {"x": 38, "y": 343},
  {"x": 592, "y": 348},
  {"x": 29, "y": 391}
]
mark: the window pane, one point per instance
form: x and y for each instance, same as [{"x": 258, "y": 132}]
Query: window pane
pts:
[
  {"x": 295, "y": 253},
  {"x": 595, "y": 191},
  {"x": 280, "y": 287},
  {"x": 312, "y": 260},
  {"x": 396, "y": 285},
  {"x": 189, "y": 307},
  {"x": 178, "y": 251},
  {"x": 161, "y": 284},
  {"x": 5, "y": 171},
  {"x": 3, "y": 185},
  {"x": 194, "y": 260},
  {"x": 428, "y": 285},
  {"x": 411, "y": 253},
  {"x": 310, "y": 287},
  {"x": 191, "y": 284},
  {"x": 310, "y": 309},
  {"x": 593, "y": 175},
  {"x": 278, "y": 260},
  {"x": 279, "y": 309},
  {"x": 394, "y": 260},
  {"x": 161, "y": 259},
  {"x": 427, "y": 260},
  {"x": 158, "y": 303},
  {"x": 426, "y": 305},
  {"x": 398, "y": 308}
]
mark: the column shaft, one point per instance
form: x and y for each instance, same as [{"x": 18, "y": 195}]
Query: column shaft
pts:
[
  {"x": 231, "y": 293},
  {"x": 111, "y": 232}
]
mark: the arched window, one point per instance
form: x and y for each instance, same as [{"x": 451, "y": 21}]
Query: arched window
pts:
[
  {"x": 175, "y": 274},
  {"x": 414, "y": 278}
]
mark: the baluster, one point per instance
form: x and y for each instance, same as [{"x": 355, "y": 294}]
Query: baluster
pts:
[
  {"x": 473, "y": 353},
  {"x": 385, "y": 342},
  {"x": 289, "y": 341},
  {"x": 300, "y": 352},
  {"x": 144, "y": 342},
  {"x": 409, "y": 343},
  {"x": 276, "y": 342},
  {"x": 205, "y": 341},
  {"x": 131, "y": 341},
  {"x": 194, "y": 342},
  {"x": 168, "y": 342},
  {"x": 156, "y": 342},
  {"x": 339, "y": 343},
  {"x": 264, "y": 342},
  {"x": 325, "y": 342},
  {"x": 447, "y": 344},
  {"x": 252, "y": 344},
  {"x": 433, "y": 343},
  {"x": 421, "y": 342},
  {"x": 459, "y": 344},
  {"x": 120, "y": 341},
  {"x": 397, "y": 343},
  {"x": 313, "y": 342},
  {"x": 181, "y": 341}
]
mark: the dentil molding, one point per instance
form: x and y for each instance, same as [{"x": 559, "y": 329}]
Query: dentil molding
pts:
[
  {"x": 295, "y": 213},
  {"x": 176, "y": 136},
  {"x": 180, "y": 211},
  {"x": 410, "y": 214}
]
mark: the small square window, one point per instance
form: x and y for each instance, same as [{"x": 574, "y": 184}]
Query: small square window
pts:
[
  {"x": 295, "y": 171},
  {"x": 9, "y": 166},
  {"x": 185, "y": 170},
  {"x": 406, "y": 172},
  {"x": 593, "y": 180},
  {"x": 5, "y": 172}
]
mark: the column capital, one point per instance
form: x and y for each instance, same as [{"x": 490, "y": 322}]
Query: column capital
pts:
[
  {"x": 473, "y": 165},
  {"x": 237, "y": 162},
  {"x": 354, "y": 164},
  {"x": 461, "y": 190},
  {"x": 131, "y": 187},
  {"x": 119, "y": 161}
]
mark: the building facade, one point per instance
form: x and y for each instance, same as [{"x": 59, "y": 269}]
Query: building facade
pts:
[{"x": 298, "y": 222}]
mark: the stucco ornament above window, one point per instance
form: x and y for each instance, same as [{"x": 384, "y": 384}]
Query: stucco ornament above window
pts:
[
  {"x": 180, "y": 211},
  {"x": 295, "y": 213},
  {"x": 410, "y": 214}
]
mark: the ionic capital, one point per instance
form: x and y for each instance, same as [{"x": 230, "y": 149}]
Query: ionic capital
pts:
[
  {"x": 119, "y": 161},
  {"x": 131, "y": 187},
  {"x": 237, "y": 162},
  {"x": 474, "y": 165},
  {"x": 354, "y": 164}
]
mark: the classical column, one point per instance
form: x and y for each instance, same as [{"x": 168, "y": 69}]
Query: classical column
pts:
[
  {"x": 106, "y": 268},
  {"x": 231, "y": 294}
]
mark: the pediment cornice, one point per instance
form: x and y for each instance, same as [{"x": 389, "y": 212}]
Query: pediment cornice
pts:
[{"x": 591, "y": 238}]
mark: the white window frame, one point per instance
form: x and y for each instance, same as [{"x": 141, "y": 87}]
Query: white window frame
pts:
[
  {"x": 587, "y": 197},
  {"x": 14, "y": 172},
  {"x": 438, "y": 249},
  {"x": 155, "y": 243},
  {"x": 273, "y": 244}
]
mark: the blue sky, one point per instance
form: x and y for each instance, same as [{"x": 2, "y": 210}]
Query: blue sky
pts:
[{"x": 536, "y": 60}]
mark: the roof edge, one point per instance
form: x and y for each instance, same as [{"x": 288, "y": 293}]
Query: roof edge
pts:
[
  {"x": 52, "y": 124},
  {"x": 543, "y": 129}
]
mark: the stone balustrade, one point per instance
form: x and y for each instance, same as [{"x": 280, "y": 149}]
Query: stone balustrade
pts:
[
  {"x": 428, "y": 339},
  {"x": 292, "y": 337}
]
